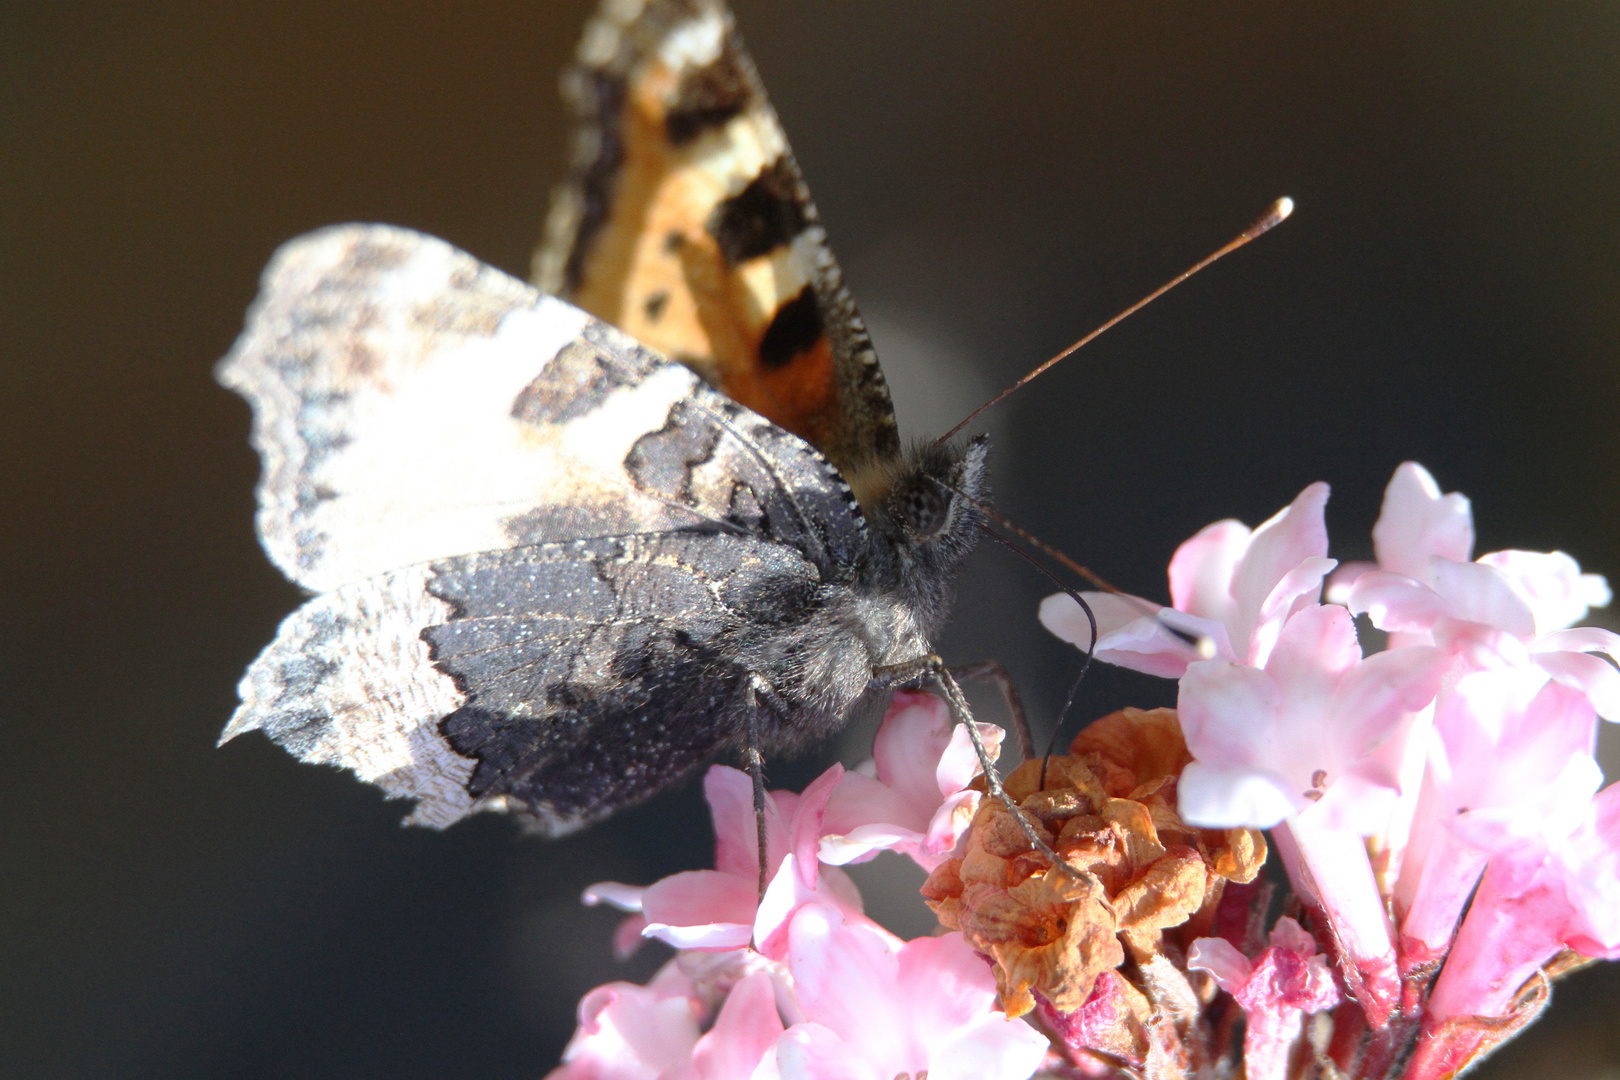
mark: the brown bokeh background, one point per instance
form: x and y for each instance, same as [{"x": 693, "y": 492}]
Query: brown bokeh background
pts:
[{"x": 997, "y": 178}]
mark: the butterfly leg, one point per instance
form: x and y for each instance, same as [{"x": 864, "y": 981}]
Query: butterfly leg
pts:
[
  {"x": 993, "y": 671},
  {"x": 756, "y": 771},
  {"x": 931, "y": 671}
]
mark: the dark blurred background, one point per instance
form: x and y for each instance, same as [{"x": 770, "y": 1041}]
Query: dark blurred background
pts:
[{"x": 997, "y": 178}]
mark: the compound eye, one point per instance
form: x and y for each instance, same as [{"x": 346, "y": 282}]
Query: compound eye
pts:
[{"x": 923, "y": 508}]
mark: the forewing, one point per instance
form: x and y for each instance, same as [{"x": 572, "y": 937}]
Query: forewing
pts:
[
  {"x": 411, "y": 404},
  {"x": 628, "y": 524},
  {"x": 561, "y": 681},
  {"x": 686, "y": 223}
]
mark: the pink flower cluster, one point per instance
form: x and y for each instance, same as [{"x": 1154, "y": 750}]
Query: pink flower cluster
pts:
[
  {"x": 801, "y": 983},
  {"x": 1460, "y": 756}
]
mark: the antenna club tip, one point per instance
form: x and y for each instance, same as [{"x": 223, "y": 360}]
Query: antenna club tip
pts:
[{"x": 1275, "y": 215}]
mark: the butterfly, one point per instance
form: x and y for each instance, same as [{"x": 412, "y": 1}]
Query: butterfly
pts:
[{"x": 569, "y": 542}]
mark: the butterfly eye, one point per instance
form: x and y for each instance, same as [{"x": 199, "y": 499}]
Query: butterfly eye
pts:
[{"x": 922, "y": 508}]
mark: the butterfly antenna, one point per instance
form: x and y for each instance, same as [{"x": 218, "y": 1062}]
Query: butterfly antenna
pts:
[
  {"x": 1091, "y": 617},
  {"x": 1202, "y": 644},
  {"x": 1074, "y": 688},
  {"x": 1278, "y": 213}
]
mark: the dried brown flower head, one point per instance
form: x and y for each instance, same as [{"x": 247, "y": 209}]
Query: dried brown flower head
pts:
[{"x": 1109, "y": 810}]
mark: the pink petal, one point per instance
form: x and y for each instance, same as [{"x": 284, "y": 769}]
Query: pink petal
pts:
[
  {"x": 948, "y": 983},
  {"x": 959, "y": 764},
  {"x": 784, "y": 896},
  {"x": 1228, "y": 712},
  {"x": 811, "y": 1051},
  {"x": 1359, "y": 799},
  {"x": 629, "y": 936},
  {"x": 950, "y": 821},
  {"x": 1479, "y": 593},
  {"x": 1234, "y": 797},
  {"x": 994, "y": 1048},
  {"x": 1589, "y": 866},
  {"x": 1583, "y": 639},
  {"x": 1292, "y": 536},
  {"x": 1297, "y": 591},
  {"x": 730, "y": 793},
  {"x": 1221, "y": 959},
  {"x": 1165, "y": 644},
  {"x": 862, "y": 800},
  {"x": 1552, "y": 584},
  {"x": 1315, "y": 649},
  {"x": 1288, "y": 934},
  {"x": 1418, "y": 523},
  {"x": 1375, "y": 693},
  {"x": 1064, "y": 618},
  {"x": 614, "y": 894},
  {"x": 863, "y": 842},
  {"x": 701, "y": 909},
  {"x": 629, "y": 1032},
  {"x": 1201, "y": 569},
  {"x": 747, "y": 1027},
  {"x": 915, "y": 733},
  {"x": 1593, "y": 676},
  {"x": 1396, "y": 603},
  {"x": 1343, "y": 580},
  {"x": 807, "y": 822},
  {"x": 845, "y": 973}
]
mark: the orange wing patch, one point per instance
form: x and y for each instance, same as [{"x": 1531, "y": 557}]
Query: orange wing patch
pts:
[{"x": 688, "y": 226}]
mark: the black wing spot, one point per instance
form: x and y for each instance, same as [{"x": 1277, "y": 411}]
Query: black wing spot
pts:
[
  {"x": 654, "y": 305},
  {"x": 707, "y": 97},
  {"x": 578, "y": 379},
  {"x": 765, "y": 215},
  {"x": 795, "y": 330}
]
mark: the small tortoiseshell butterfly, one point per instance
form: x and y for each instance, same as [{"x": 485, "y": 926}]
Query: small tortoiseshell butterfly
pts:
[{"x": 560, "y": 564}]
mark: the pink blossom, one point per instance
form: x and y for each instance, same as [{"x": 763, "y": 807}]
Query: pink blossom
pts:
[
  {"x": 1295, "y": 743},
  {"x": 1283, "y": 984},
  {"x": 1533, "y": 902},
  {"x": 875, "y": 1007},
  {"x": 1229, "y": 588},
  {"x": 1295, "y": 737},
  {"x": 1425, "y": 590},
  {"x": 910, "y": 798},
  {"x": 721, "y": 908},
  {"x": 850, "y": 1001},
  {"x": 1512, "y": 764},
  {"x": 629, "y": 1032}
]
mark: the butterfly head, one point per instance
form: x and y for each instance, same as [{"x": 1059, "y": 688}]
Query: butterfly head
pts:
[{"x": 927, "y": 510}]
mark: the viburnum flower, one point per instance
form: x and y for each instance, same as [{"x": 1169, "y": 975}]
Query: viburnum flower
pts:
[
  {"x": 1230, "y": 588},
  {"x": 1424, "y": 588},
  {"x": 722, "y": 908},
  {"x": 1535, "y": 903},
  {"x": 1276, "y": 990},
  {"x": 1511, "y": 765},
  {"x": 913, "y": 796},
  {"x": 1448, "y": 779},
  {"x": 801, "y": 984},
  {"x": 1286, "y": 723},
  {"x": 851, "y": 1001}
]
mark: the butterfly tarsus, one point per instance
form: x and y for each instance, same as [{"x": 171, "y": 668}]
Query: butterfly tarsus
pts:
[{"x": 931, "y": 670}]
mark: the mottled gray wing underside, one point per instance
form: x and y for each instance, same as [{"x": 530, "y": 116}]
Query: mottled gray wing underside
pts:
[
  {"x": 561, "y": 681},
  {"x": 530, "y": 529}
]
